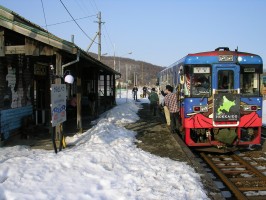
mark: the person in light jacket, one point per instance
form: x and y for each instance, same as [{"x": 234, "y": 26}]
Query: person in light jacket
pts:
[{"x": 154, "y": 100}]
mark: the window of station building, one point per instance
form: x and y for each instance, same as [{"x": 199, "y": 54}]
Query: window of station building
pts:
[
  {"x": 249, "y": 84},
  {"x": 110, "y": 89},
  {"x": 101, "y": 85}
]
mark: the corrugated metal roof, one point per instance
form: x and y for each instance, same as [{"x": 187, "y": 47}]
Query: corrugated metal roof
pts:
[
  {"x": 17, "y": 23},
  {"x": 19, "y": 20}
]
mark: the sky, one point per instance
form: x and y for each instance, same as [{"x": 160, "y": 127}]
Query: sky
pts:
[
  {"x": 103, "y": 164},
  {"x": 155, "y": 31}
]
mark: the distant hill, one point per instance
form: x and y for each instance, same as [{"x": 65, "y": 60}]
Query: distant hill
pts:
[{"x": 145, "y": 73}]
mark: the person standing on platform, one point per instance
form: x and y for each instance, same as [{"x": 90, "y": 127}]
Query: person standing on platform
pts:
[
  {"x": 135, "y": 92},
  {"x": 164, "y": 108},
  {"x": 170, "y": 101},
  {"x": 73, "y": 101},
  {"x": 154, "y": 100},
  {"x": 144, "y": 91}
]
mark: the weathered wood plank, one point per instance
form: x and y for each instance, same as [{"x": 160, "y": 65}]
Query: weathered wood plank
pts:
[
  {"x": 38, "y": 37},
  {"x": 2, "y": 43},
  {"x": 35, "y": 48},
  {"x": 31, "y": 47},
  {"x": 46, "y": 50},
  {"x": 7, "y": 15},
  {"x": 19, "y": 49}
]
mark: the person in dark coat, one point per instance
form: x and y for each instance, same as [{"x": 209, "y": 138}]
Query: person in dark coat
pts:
[
  {"x": 135, "y": 92},
  {"x": 144, "y": 91}
]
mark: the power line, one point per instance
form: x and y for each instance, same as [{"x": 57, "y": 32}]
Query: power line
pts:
[
  {"x": 112, "y": 44},
  {"x": 107, "y": 38},
  {"x": 77, "y": 23},
  {"x": 106, "y": 35},
  {"x": 70, "y": 20},
  {"x": 45, "y": 22},
  {"x": 44, "y": 16}
]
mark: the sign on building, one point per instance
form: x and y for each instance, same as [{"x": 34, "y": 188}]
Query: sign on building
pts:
[{"x": 58, "y": 103}]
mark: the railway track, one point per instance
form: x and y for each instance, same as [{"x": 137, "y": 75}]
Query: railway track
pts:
[{"x": 244, "y": 173}]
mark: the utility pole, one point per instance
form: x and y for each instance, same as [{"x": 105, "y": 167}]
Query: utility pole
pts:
[
  {"x": 99, "y": 35},
  {"x": 126, "y": 83},
  {"x": 142, "y": 74},
  {"x": 114, "y": 56}
]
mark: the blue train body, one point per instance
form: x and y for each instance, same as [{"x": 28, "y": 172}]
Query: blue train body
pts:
[{"x": 219, "y": 94}]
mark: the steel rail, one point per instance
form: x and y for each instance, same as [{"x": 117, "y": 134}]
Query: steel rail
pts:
[
  {"x": 250, "y": 167},
  {"x": 238, "y": 194}
]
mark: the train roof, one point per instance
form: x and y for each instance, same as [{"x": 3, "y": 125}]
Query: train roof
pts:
[
  {"x": 226, "y": 52},
  {"x": 219, "y": 55}
]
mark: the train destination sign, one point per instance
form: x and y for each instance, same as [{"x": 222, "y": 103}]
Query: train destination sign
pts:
[
  {"x": 249, "y": 70},
  {"x": 226, "y": 58},
  {"x": 201, "y": 70},
  {"x": 226, "y": 107}
]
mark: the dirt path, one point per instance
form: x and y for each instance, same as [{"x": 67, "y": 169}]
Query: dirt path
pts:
[{"x": 154, "y": 135}]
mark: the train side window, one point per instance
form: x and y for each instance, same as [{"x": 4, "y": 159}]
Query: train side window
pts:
[
  {"x": 187, "y": 83},
  {"x": 249, "y": 84}
]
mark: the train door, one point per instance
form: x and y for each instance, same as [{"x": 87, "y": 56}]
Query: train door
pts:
[
  {"x": 225, "y": 77},
  {"x": 226, "y": 95}
]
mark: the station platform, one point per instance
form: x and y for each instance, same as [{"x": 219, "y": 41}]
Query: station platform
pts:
[
  {"x": 153, "y": 133},
  {"x": 42, "y": 138},
  {"x": 155, "y": 137}
]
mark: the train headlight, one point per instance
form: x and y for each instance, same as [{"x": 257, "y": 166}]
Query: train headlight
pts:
[
  {"x": 239, "y": 59},
  {"x": 250, "y": 108},
  {"x": 198, "y": 109}
]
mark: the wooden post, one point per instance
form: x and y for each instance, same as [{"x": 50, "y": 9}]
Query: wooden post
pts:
[
  {"x": 2, "y": 43},
  {"x": 79, "y": 95},
  {"x": 58, "y": 71}
]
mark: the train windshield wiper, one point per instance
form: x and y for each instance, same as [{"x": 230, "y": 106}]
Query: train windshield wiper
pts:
[{"x": 204, "y": 94}]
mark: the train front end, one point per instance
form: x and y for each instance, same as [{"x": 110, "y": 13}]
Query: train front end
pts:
[{"x": 221, "y": 103}]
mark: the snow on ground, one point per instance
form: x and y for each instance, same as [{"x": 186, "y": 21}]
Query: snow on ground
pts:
[{"x": 104, "y": 164}]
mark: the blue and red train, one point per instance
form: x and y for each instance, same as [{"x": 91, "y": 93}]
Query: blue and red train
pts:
[{"x": 219, "y": 97}]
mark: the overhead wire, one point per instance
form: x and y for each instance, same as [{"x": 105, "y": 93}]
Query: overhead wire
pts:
[
  {"x": 78, "y": 24},
  {"x": 110, "y": 40},
  {"x": 105, "y": 34},
  {"x": 95, "y": 5},
  {"x": 70, "y": 20},
  {"x": 48, "y": 36},
  {"x": 83, "y": 8},
  {"x": 83, "y": 5}
]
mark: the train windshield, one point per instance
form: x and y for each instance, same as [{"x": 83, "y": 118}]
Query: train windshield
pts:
[
  {"x": 201, "y": 84},
  {"x": 249, "y": 84}
]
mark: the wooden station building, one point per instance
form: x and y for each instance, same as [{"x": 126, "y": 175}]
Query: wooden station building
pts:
[{"x": 30, "y": 57}]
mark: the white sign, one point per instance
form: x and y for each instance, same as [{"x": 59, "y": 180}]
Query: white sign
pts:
[
  {"x": 58, "y": 103},
  {"x": 201, "y": 70}
]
